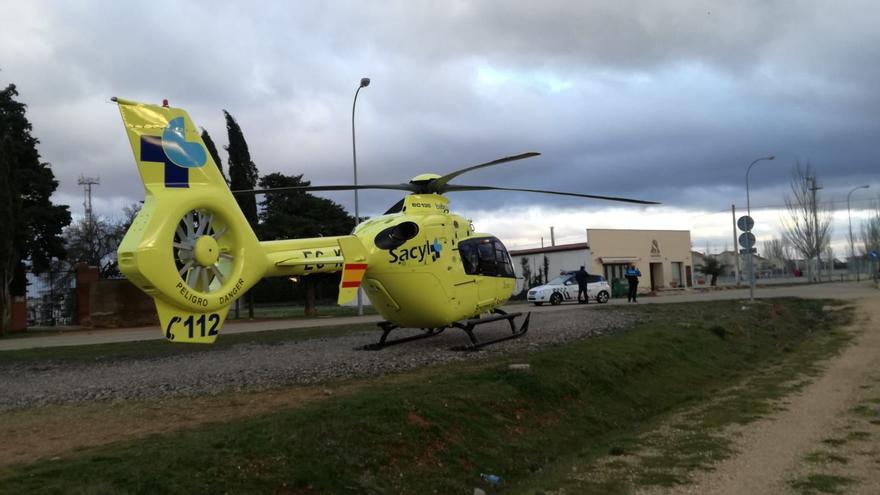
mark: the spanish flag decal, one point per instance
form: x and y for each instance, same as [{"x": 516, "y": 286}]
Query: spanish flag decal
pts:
[{"x": 352, "y": 274}]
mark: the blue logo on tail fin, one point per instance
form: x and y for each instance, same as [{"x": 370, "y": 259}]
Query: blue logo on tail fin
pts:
[{"x": 172, "y": 149}]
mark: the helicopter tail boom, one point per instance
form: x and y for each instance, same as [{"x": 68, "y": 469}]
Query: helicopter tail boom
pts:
[{"x": 190, "y": 247}]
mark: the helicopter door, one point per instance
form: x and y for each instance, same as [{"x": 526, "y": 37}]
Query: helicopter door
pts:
[
  {"x": 466, "y": 283},
  {"x": 488, "y": 260},
  {"x": 487, "y": 283}
]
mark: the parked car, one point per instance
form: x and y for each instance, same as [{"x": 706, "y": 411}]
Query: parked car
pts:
[{"x": 564, "y": 288}]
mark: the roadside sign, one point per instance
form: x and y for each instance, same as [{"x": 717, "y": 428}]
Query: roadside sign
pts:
[
  {"x": 747, "y": 240},
  {"x": 873, "y": 254},
  {"x": 745, "y": 223}
]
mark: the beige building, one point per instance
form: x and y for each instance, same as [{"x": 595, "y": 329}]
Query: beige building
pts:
[{"x": 663, "y": 256}]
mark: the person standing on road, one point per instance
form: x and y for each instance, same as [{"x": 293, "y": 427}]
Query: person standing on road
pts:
[
  {"x": 632, "y": 275},
  {"x": 581, "y": 277}
]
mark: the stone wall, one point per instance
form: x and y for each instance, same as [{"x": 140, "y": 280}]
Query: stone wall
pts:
[{"x": 118, "y": 303}]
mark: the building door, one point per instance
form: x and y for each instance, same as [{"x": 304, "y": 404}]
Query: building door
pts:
[
  {"x": 689, "y": 276},
  {"x": 657, "y": 276}
]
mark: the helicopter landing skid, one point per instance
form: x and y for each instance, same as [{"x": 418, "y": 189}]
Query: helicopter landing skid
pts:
[
  {"x": 468, "y": 327},
  {"x": 387, "y": 327}
]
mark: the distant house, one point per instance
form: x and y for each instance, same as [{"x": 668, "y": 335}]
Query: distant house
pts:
[{"x": 561, "y": 258}]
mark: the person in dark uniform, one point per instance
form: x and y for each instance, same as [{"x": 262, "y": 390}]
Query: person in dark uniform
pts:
[
  {"x": 632, "y": 275},
  {"x": 581, "y": 277}
]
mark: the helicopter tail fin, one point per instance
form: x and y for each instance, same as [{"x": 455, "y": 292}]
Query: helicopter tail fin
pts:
[{"x": 190, "y": 247}]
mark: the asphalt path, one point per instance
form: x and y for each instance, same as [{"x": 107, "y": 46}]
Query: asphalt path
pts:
[{"x": 838, "y": 290}]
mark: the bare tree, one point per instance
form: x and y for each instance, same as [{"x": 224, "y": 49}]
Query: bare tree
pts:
[
  {"x": 779, "y": 251},
  {"x": 871, "y": 236},
  {"x": 95, "y": 240},
  {"x": 808, "y": 226}
]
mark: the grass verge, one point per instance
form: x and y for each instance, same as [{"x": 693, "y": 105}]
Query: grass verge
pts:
[
  {"x": 670, "y": 449},
  {"x": 148, "y": 349},
  {"x": 437, "y": 431}
]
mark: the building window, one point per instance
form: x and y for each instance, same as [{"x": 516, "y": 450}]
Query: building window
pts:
[
  {"x": 676, "y": 274},
  {"x": 614, "y": 270}
]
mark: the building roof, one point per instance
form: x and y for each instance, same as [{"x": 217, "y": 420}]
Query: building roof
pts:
[
  {"x": 641, "y": 230},
  {"x": 552, "y": 249}
]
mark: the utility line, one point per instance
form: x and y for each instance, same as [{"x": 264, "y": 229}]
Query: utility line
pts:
[{"x": 830, "y": 203}]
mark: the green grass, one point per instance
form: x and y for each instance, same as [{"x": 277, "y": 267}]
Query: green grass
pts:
[
  {"x": 821, "y": 483},
  {"x": 820, "y": 457},
  {"x": 161, "y": 348},
  {"x": 435, "y": 430}
]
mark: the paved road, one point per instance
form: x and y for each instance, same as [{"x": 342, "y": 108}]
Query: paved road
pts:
[{"x": 845, "y": 290}]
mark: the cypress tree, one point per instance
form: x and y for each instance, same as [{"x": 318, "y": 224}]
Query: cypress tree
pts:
[
  {"x": 212, "y": 149},
  {"x": 242, "y": 175},
  {"x": 242, "y": 171}
]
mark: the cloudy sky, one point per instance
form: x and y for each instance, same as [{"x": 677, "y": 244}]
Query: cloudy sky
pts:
[{"x": 662, "y": 100}]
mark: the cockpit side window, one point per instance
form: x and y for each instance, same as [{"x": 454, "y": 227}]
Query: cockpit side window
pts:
[
  {"x": 488, "y": 266},
  {"x": 485, "y": 256},
  {"x": 469, "y": 257}
]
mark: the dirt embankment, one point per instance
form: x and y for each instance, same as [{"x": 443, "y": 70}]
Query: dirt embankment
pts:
[{"x": 825, "y": 439}]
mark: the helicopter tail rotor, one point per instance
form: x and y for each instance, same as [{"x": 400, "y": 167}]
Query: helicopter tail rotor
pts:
[{"x": 190, "y": 247}]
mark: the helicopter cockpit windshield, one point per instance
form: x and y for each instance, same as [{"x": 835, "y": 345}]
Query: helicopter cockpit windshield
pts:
[{"x": 485, "y": 256}]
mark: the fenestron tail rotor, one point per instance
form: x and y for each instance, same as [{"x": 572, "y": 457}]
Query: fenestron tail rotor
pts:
[{"x": 203, "y": 251}]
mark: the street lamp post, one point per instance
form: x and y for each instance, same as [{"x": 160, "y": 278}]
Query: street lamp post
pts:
[
  {"x": 852, "y": 249},
  {"x": 365, "y": 81},
  {"x": 749, "y": 213}
]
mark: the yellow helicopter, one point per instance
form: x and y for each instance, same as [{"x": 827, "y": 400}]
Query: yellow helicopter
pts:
[{"x": 191, "y": 249}]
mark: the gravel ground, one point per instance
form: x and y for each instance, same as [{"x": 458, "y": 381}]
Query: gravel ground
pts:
[{"x": 255, "y": 367}]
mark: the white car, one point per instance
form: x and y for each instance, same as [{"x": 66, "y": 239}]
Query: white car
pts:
[{"x": 565, "y": 288}]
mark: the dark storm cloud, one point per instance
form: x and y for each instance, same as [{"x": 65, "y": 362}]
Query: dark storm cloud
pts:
[{"x": 662, "y": 100}]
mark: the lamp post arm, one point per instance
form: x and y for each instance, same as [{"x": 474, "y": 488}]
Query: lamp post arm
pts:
[
  {"x": 849, "y": 218},
  {"x": 749, "y": 213},
  {"x": 357, "y": 218},
  {"x": 354, "y": 159},
  {"x": 748, "y": 195}
]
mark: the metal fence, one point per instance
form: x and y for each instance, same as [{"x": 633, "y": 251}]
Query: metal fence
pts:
[{"x": 51, "y": 299}]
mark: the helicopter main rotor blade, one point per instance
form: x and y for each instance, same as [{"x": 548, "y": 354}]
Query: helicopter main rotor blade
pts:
[
  {"x": 439, "y": 185},
  {"x": 347, "y": 187},
  {"x": 456, "y": 187},
  {"x": 396, "y": 207}
]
